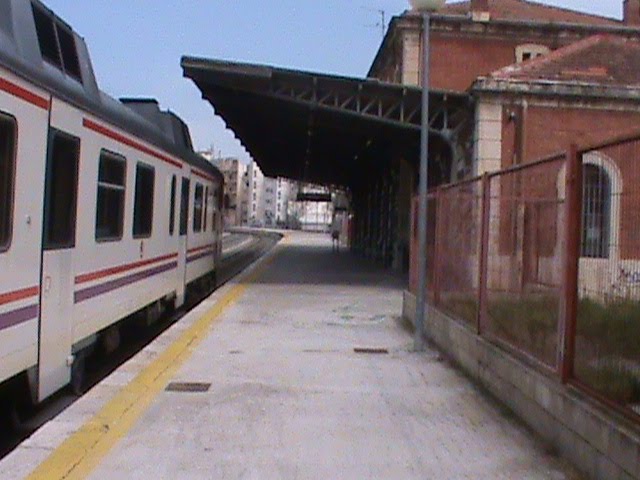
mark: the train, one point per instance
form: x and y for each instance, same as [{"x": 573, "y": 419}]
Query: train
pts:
[{"x": 106, "y": 211}]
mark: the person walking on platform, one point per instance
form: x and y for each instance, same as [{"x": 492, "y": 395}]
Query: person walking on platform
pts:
[{"x": 336, "y": 230}]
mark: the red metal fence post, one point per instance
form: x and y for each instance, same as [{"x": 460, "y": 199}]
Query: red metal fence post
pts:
[
  {"x": 571, "y": 258},
  {"x": 485, "y": 221}
]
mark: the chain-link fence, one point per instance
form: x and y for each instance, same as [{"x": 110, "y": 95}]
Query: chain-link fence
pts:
[
  {"x": 458, "y": 249},
  {"x": 524, "y": 258},
  {"x": 607, "y": 358},
  {"x": 543, "y": 259}
]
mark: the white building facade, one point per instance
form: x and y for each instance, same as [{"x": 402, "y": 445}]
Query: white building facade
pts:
[
  {"x": 255, "y": 193},
  {"x": 265, "y": 201},
  {"x": 269, "y": 196},
  {"x": 286, "y": 192},
  {"x": 234, "y": 188}
]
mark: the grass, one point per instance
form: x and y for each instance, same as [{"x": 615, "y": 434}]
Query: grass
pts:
[
  {"x": 465, "y": 308},
  {"x": 614, "y": 381},
  {"x": 527, "y": 323},
  {"x": 607, "y": 343},
  {"x": 608, "y": 348},
  {"x": 612, "y": 328}
]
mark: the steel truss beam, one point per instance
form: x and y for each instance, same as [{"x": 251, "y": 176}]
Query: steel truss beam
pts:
[{"x": 372, "y": 105}]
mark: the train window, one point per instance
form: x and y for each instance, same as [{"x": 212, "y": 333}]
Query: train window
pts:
[
  {"x": 110, "y": 203},
  {"x": 46, "y": 35},
  {"x": 172, "y": 207},
  {"x": 8, "y": 132},
  {"x": 69, "y": 52},
  {"x": 61, "y": 192},
  {"x": 197, "y": 208},
  {"x": 206, "y": 208},
  {"x": 143, "y": 203},
  {"x": 57, "y": 43},
  {"x": 184, "y": 207}
]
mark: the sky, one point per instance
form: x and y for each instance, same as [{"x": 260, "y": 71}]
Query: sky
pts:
[{"x": 136, "y": 45}]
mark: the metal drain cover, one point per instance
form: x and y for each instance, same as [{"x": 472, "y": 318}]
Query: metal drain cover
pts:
[
  {"x": 372, "y": 351},
  {"x": 188, "y": 387}
]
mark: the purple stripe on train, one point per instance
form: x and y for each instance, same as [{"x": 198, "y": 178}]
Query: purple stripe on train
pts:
[
  {"x": 199, "y": 256},
  {"x": 92, "y": 292},
  {"x": 16, "y": 317}
]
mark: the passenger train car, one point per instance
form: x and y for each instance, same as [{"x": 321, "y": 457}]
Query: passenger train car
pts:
[{"x": 105, "y": 209}]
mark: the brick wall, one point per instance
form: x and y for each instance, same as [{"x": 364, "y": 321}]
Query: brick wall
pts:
[
  {"x": 457, "y": 60},
  {"x": 548, "y": 130}
]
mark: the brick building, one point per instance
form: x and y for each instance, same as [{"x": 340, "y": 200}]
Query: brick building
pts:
[
  {"x": 540, "y": 77},
  {"x": 471, "y": 39},
  {"x": 586, "y": 93}
]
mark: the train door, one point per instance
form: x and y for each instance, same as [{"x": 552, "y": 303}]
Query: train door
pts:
[
  {"x": 185, "y": 194},
  {"x": 23, "y": 145},
  {"x": 58, "y": 246}
]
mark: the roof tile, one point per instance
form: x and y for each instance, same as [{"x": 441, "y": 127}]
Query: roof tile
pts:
[
  {"x": 531, "y": 11},
  {"x": 600, "y": 60}
]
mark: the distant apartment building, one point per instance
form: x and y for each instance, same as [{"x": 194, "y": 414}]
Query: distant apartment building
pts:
[
  {"x": 255, "y": 196},
  {"x": 269, "y": 195},
  {"x": 274, "y": 203},
  {"x": 233, "y": 171},
  {"x": 251, "y": 199},
  {"x": 286, "y": 192},
  {"x": 244, "y": 197},
  {"x": 265, "y": 201}
]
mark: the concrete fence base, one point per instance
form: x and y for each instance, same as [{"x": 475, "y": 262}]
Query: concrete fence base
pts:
[{"x": 602, "y": 443}]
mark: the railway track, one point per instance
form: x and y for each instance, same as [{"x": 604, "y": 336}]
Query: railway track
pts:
[{"x": 240, "y": 250}]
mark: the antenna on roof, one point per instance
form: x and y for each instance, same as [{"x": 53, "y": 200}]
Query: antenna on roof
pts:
[{"x": 382, "y": 23}]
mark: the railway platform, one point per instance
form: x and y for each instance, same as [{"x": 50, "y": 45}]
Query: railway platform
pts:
[{"x": 300, "y": 368}]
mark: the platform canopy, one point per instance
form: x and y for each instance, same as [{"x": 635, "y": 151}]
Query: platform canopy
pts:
[{"x": 321, "y": 128}]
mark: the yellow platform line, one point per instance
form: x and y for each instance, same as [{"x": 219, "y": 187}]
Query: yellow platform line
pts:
[{"x": 83, "y": 451}]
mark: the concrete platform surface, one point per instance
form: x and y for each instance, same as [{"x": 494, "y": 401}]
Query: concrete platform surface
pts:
[{"x": 291, "y": 399}]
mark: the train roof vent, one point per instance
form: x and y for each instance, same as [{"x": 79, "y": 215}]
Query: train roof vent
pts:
[
  {"x": 172, "y": 126},
  {"x": 149, "y": 109},
  {"x": 57, "y": 42},
  {"x": 181, "y": 132}
]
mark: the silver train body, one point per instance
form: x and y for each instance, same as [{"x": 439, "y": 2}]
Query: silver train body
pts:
[{"x": 105, "y": 210}]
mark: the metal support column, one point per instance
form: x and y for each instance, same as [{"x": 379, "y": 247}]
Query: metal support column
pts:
[{"x": 423, "y": 190}]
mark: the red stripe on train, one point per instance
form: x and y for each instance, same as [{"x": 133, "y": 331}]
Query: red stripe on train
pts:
[
  {"x": 91, "y": 125},
  {"x": 199, "y": 249},
  {"x": 23, "y": 94},
  {"x": 89, "y": 277},
  {"x": 18, "y": 295}
]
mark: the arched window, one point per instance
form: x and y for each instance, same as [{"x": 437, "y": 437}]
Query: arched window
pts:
[{"x": 596, "y": 212}]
